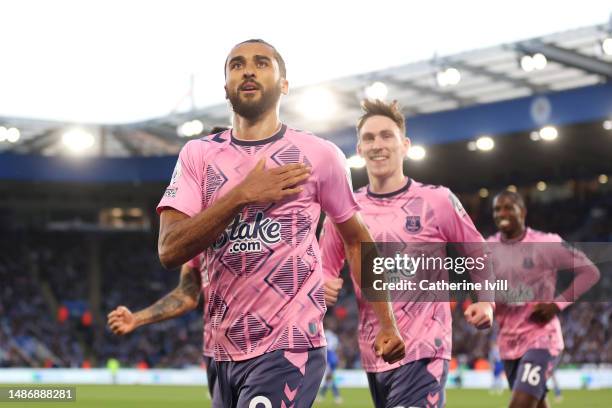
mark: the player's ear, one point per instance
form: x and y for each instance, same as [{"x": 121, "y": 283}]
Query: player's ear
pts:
[
  {"x": 226, "y": 94},
  {"x": 406, "y": 143},
  {"x": 358, "y": 148},
  {"x": 284, "y": 86}
]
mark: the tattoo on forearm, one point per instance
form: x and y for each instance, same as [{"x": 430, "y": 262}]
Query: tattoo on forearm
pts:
[
  {"x": 165, "y": 308},
  {"x": 190, "y": 284}
]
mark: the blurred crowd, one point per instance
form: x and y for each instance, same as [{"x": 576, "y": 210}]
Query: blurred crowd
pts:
[{"x": 57, "y": 287}]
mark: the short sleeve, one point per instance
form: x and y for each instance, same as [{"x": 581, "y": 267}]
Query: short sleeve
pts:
[
  {"x": 332, "y": 250},
  {"x": 335, "y": 189},
  {"x": 184, "y": 193},
  {"x": 454, "y": 222}
]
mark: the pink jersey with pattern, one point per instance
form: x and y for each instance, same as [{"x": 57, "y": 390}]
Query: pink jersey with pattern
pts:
[
  {"x": 535, "y": 267},
  {"x": 198, "y": 264},
  {"x": 265, "y": 273},
  {"x": 417, "y": 213}
]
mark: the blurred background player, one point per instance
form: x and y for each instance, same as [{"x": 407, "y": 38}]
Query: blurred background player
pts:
[
  {"x": 183, "y": 299},
  {"x": 556, "y": 388},
  {"x": 530, "y": 337},
  {"x": 332, "y": 364},
  {"x": 497, "y": 368},
  {"x": 399, "y": 209},
  {"x": 250, "y": 198}
]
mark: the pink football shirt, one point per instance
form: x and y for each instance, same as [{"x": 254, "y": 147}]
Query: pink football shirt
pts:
[
  {"x": 265, "y": 273},
  {"x": 417, "y": 213},
  {"x": 532, "y": 262}
]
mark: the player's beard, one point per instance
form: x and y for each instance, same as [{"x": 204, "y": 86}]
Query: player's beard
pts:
[{"x": 252, "y": 110}]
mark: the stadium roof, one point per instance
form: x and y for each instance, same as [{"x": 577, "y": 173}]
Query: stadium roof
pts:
[{"x": 574, "y": 59}]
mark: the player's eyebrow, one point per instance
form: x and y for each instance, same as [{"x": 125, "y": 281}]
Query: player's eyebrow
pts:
[
  {"x": 262, "y": 58},
  {"x": 238, "y": 58}
]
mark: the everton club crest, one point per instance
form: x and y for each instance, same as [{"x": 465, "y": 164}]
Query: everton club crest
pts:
[{"x": 413, "y": 224}]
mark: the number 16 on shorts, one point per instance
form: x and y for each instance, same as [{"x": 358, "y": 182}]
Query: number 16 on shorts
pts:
[{"x": 531, "y": 374}]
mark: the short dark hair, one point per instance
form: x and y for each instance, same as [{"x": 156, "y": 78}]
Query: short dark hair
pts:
[
  {"x": 514, "y": 196},
  {"x": 380, "y": 108},
  {"x": 279, "y": 59}
]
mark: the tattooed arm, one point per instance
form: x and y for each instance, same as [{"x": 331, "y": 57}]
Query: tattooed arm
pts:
[{"x": 181, "y": 300}]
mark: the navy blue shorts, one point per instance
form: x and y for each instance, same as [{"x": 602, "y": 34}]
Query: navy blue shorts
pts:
[
  {"x": 530, "y": 372},
  {"x": 282, "y": 378},
  {"x": 417, "y": 384},
  {"x": 213, "y": 385}
]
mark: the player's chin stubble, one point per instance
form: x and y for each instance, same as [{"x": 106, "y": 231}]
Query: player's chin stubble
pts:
[{"x": 252, "y": 110}]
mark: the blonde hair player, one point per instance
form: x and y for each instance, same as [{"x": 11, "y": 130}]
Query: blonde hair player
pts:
[{"x": 399, "y": 209}]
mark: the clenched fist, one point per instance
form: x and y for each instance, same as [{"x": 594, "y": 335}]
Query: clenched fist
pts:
[
  {"x": 121, "y": 321},
  {"x": 389, "y": 345},
  {"x": 479, "y": 315},
  {"x": 332, "y": 288}
]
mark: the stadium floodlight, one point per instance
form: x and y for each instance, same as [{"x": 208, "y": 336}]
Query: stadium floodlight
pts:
[
  {"x": 78, "y": 140},
  {"x": 602, "y": 179},
  {"x": 535, "y": 62},
  {"x": 356, "y": 162},
  {"x": 191, "y": 128},
  {"x": 607, "y": 124},
  {"x": 12, "y": 135},
  {"x": 606, "y": 46},
  {"x": 483, "y": 193},
  {"x": 485, "y": 143},
  {"x": 541, "y": 186},
  {"x": 135, "y": 212},
  {"x": 317, "y": 103},
  {"x": 3, "y": 134},
  {"x": 416, "y": 152},
  {"x": 471, "y": 146},
  {"x": 448, "y": 77},
  {"x": 535, "y": 136},
  {"x": 377, "y": 90},
  {"x": 527, "y": 63},
  {"x": 539, "y": 61},
  {"x": 549, "y": 133}
]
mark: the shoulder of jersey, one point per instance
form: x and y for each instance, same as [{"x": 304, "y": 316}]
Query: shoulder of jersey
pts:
[
  {"x": 210, "y": 142},
  {"x": 432, "y": 190},
  {"x": 493, "y": 238},
  {"x": 304, "y": 137},
  {"x": 361, "y": 192},
  {"x": 214, "y": 139},
  {"x": 545, "y": 236}
]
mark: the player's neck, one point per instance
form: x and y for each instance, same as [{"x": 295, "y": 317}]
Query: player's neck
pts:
[
  {"x": 384, "y": 185},
  {"x": 515, "y": 235},
  {"x": 261, "y": 128}
]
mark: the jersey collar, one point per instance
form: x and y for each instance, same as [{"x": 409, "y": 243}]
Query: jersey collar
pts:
[
  {"x": 278, "y": 135},
  {"x": 393, "y": 193}
]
